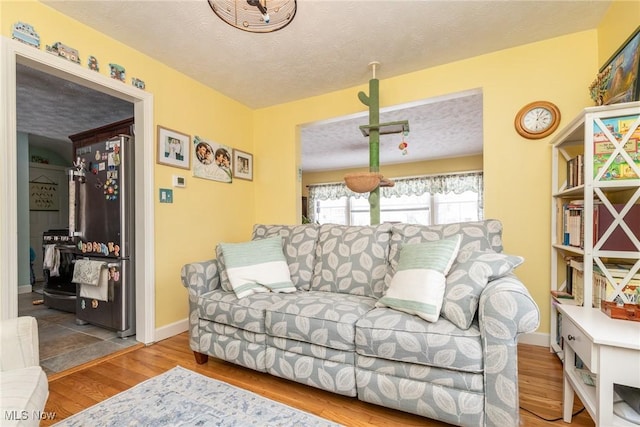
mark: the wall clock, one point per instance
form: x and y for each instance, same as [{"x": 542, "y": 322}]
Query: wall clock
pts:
[{"x": 537, "y": 119}]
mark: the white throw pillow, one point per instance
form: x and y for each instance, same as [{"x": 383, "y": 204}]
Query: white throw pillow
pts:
[
  {"x": 417, "y": 287},
  {"x": 257, "y": 266}
]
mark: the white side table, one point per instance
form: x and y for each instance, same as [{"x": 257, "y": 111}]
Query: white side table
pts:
[{"x": 609, "y": 348}]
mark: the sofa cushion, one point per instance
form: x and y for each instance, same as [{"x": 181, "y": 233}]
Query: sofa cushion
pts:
[
  {"x": 389, "y": 334},
  {"x": 321, "y": 318},
  {"x": 23, "y": 391},
  {"x": 352, "y": 259},
  {"x": 476, "y": 236},
  {"x": 418, "y": 285},
  {"x": 226, "y": 308},
  {"x": 299, "y": 246},
  {"x": 257, "y": 266},
  {"x": 467, "y": 280}
]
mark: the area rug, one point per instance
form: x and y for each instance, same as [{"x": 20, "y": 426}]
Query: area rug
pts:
[{"x": 180, "y": 397}]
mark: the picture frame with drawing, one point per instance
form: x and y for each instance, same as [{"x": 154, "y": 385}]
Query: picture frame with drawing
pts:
[
  {"x": 621, "y": 73},
  {"x": 173, "y": 148},
  {"x": 242, "y": 165}
]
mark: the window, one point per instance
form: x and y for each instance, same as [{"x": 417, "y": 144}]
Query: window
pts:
[
  {"x": 407, "y": 202},
  {"x": 451, "y": 207}
]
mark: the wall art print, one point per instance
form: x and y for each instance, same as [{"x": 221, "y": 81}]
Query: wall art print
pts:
[
  {"x": 43, "y": 195},
  {"x": 623, "y": 68},
  {"x": 173, "y": 148},
  {"x": 212, "y": 160},
  {"x": 242, "y": 165}
]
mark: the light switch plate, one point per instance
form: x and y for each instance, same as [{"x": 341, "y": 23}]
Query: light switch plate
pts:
[{"x": 166, "y": 195}]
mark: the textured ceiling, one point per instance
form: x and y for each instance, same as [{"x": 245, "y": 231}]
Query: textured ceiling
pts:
[
  {"x": 448, "y": 126},
  {"x": 328, "y": 47},
  {"x": 50, "y": 109}
]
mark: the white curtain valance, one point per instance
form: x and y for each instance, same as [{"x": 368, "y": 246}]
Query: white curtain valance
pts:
[{"x": 433, "y": 184}]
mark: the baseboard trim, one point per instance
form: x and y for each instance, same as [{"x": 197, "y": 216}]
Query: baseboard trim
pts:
[
  {"x": 534, "y": 338},
  {"x": 171, "y": 330},
  {"x": 25, "y": 289}
]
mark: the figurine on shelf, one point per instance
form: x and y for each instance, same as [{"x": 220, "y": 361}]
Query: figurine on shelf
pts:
[
  {"x": 598, "y": 87},
  {"x": 92, "y": 63},
  {"x": 66, "y": 52},
  {"x": 26, "y": 34},
  {"x": 117, "y": 72},
  {"x": 138, "y": 83}
]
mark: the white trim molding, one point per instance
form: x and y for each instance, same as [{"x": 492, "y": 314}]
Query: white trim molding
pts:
[
  {"x": 172, "y": 329},
  {"x": 13, "y": 52},
  {"x": 535, "y": 338}
]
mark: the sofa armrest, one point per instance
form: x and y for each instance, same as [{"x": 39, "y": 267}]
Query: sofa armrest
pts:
[
  {"x": 506, "y": 310},
  {"x": 19, "y": 343},
  {"x": 200, "y": 277}
]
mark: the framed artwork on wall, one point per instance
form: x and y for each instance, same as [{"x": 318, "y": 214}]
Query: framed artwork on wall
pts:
[
  {"x": 242, "y": 165},
  {"x": 173, "y": 148},
  {"x": 621, "y": 73},
  {"x": 212, "y": 160}
]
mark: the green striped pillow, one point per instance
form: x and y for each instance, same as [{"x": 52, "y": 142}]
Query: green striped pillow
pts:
[
  {"x": 257, "y": 266},
  {"x": 418, "y": 285}
]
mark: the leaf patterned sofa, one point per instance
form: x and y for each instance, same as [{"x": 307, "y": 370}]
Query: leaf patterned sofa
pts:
[{"x": 330, "y": 334}]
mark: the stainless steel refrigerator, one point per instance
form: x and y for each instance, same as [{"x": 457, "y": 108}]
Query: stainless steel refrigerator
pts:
[{"x": 101, "y": 202}]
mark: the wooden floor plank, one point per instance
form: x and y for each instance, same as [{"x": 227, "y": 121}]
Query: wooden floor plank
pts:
[{"x": 540, "y": 387}]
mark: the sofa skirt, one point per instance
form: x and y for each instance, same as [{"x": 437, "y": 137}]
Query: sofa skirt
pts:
[
  {"x": 327, "y": 375},
  {"x": 422, "y": 398}
]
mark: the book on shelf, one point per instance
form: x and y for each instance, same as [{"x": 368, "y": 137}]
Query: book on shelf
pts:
[
  {"x": 620, "y": 291},
  {"x": 572, "y": 289},
  {"x": 562, "y": 294},
  {"x": 573, "y": 220},
  {"x": 575, "y": 171},
  {"x": 618, "y": 240}
]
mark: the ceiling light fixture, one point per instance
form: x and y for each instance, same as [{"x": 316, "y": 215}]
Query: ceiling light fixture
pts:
[{"x": 255, "y": 16}]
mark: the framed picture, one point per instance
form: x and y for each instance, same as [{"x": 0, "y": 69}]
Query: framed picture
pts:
[
  {"x": 242, "y": 165},
  {"x": 212, "y": 160},
  {"x": 621, "y": 73},
  {"x": 173, "y": 148}
]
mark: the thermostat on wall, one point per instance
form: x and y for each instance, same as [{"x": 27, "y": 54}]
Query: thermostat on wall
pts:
[{"x": 179, "y": 181}]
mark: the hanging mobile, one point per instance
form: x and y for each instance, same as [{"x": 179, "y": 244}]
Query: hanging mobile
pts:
[{"x": 403, "y": 145}]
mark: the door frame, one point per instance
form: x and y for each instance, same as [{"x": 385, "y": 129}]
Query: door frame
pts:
[{"x": 13, "y": 52}]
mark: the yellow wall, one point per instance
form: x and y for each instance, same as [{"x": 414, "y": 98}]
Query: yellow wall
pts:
[
  {"x": 203, "y": 213},
  {"x": 621, "y": 20},
  {"x": 457, "y": 164},
  {"x": 516, "y": 170}
]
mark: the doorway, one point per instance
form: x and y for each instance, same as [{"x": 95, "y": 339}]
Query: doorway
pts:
[{"x": 15, "y": 53}]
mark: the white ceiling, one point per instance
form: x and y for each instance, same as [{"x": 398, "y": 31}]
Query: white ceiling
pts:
[{"x": 328, "y": 47}]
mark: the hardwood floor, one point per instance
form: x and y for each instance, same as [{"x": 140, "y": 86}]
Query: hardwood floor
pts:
[{"x": 540, "y": 386}]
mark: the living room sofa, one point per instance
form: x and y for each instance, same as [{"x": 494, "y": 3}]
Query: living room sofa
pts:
[{"x": 333, "y": 331}]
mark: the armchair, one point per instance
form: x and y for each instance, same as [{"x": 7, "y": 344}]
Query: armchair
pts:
[{"x": 23, "y": 384}]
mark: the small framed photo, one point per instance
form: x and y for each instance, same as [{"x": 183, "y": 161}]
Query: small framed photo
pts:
[
  {"x": 173, "y": 148},
  {"x": 242, "y": 165}
]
